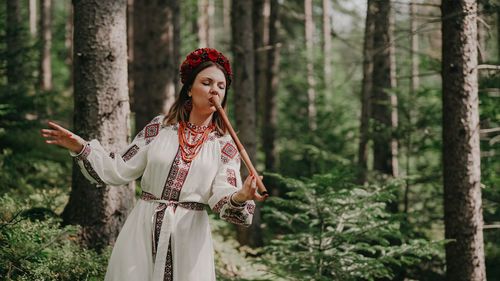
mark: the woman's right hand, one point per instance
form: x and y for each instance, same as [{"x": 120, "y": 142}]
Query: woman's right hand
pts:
[{"x": 63, "y": 137}]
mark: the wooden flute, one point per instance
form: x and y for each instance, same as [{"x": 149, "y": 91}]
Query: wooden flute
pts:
[{"x": 241, "y": 149}]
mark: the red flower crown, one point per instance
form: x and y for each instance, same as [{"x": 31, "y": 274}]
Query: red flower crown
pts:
[{"x": 199, "y": 56}]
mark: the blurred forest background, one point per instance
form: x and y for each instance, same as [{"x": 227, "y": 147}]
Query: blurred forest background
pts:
[{"x": 347, "y": 107}]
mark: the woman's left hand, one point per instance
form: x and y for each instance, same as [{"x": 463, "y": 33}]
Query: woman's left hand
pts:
[{"x": 248, "y": 192}]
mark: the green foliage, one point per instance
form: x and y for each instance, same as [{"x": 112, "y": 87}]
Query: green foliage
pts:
[
  {"x": 33, "y": 245},
  {"x": 340, "y": 232},
  {"x": 490, "y": 172}
]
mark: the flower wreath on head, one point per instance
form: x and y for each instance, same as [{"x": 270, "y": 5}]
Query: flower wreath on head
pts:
[{"x": 199, "y": 56}]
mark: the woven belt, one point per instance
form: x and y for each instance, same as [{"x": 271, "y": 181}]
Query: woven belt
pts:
[
  {"x": 196, "y": 206},
  {"x": 167, "y": 227}
]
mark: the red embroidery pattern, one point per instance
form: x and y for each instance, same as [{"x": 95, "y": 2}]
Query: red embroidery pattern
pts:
[
  {"x": 217, "y": 207},
  {"x": 87, "y": 166},
  {"x": 131, "y": 152},
  {"x": 169, "y": 265},
  {"x": 228, "y": 151},
  {"x": 176, "y": 178},
  {"x": 251, "y": 208},
  {"x": 151, "y": 131},
  {"x": 160, "y": 212},
  {"x": 92, "y": 172},
  {"x": 231, "y": 177},
  {"x": 233, "y": 214},
  {"x": 85, "y": 153},
  {"x": 171, "y": 192}
]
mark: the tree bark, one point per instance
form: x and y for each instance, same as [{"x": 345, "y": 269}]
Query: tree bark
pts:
[
  {"x": 205, "y": 22},
  {"x": 269, "y": 118},
  {"x": 68, "y": 38},
  {"x": 226, "y": 14},
  {"x": 311, "y": 82},
  {"x": 260, "y": 19},
  {"x": 384, "y": 111},
  {"x": 156, "y": 58},
  {"x": 45, "y": 75},
  {"x": 414, "y": 85},
  {"x": 101, "y": 112},
  {"x": 14, "y": 44},
  {"x": 33, "y": 21},
  {"x": 498, "y": 32},
  {"x": 130, "y": 46},
  {"x": 327, "y": 45},
  {"x": 244, "y": 100},
  {"x": 461, "y": 156},
  {"x": 366, "y": 90}
]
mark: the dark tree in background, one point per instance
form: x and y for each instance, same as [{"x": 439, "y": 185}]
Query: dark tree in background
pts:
[
  {"x": 101, "y": 112},
  {"x": 366, "y": 90},
  {"x": 156, "y": 39},
  {"x": 14, "y": 43},
  {"x": 383, "y": 80},
  {"x": 269, "y": 118},
  {"x": 243, "y": 90},
  {"x": 461, "y": 158}
]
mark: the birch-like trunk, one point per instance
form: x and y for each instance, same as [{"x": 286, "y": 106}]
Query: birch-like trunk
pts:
[
  {"x": 205, "y": 23},
  {"x": 45, "y": 74},
  {"x": 311, "y": 82},
  {"x": 33, "y": 20},
  {"x": 327, "y": 45}
]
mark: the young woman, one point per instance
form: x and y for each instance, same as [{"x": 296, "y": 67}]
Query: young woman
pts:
[{"x": 187, "y": 161}]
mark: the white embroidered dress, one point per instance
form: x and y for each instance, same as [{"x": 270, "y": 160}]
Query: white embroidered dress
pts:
[{"x": 167, "y": 234}]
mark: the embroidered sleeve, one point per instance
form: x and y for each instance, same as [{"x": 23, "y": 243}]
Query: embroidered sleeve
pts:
[
  {"x": 226, "y": 183},
  {"x": 117, "y": 168}
]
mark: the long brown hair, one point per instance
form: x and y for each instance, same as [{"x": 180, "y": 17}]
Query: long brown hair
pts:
[{"x": 178, "y": 113}]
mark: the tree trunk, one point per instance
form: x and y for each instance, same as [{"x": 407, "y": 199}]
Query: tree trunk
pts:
[
  {"x": 205, "y": 22},
  {"x": 327, "y": 43},
  {"x": 45, "y": 75},
  {"x": 414, "y": 85},
  {"x": 269, "y": 119},
  {"x": 33, "y": 21},
  {"x": 101, "y": 112},
  {"x": 226, "y": 13},
  {"x": 130, "y": 48},
  {"x": 260, "y": 19},
  {"x": 14, "y": 44},
  {"x": 384, "y": 104},
  {"x": 68, "y": 38},
  {"x": 311, "y": 92},
  {"x": 498, "y": 32},
  {"x": 244, "y": 101},
  {"x": 156, "y": 58},
  {"x": 366, "y": 90},
  {"x": 461, "y": 156}
]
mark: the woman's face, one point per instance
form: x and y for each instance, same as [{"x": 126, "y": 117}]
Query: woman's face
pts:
[{"x": 210, "y": 81}]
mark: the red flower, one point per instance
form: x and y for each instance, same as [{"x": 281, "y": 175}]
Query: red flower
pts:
[
  {"x": 194, "y": 60},
  {"x": 213, "y": 55},
  {"x": 197, "y": 52},
  {"x": 227, "y": 67}
]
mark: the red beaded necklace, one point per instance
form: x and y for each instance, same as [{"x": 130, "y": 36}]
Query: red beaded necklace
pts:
[{"x": 190, "y": 150}]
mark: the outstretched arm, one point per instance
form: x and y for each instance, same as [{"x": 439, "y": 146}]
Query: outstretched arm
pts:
[{"x": 63, "y": 137}]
